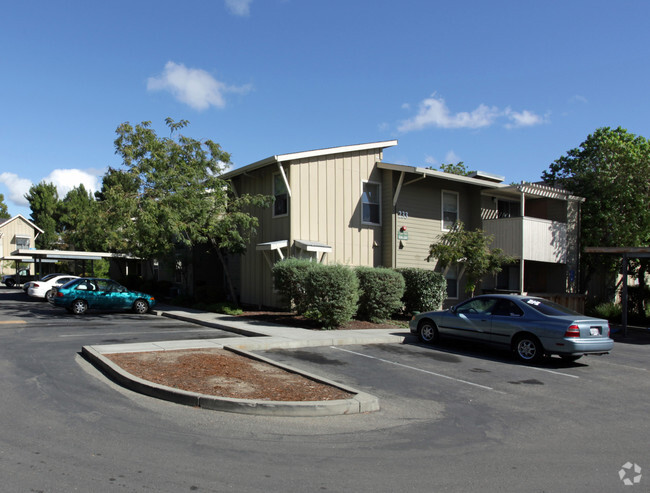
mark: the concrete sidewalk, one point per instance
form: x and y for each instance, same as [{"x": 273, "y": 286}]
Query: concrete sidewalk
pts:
[
  {"x": 258, "y": 336},
  {"x": 252, "y": 335}
]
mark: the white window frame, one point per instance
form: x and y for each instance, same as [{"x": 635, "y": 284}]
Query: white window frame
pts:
[
  {"x": 286, "y": 192},
  {"x": 442, "y": 209},
  {"x": 23, "y": 237},
  {"x": 378, "y": 203}
]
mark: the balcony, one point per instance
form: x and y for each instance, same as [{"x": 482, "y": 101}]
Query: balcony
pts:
[{"x": 543, "y": 240}]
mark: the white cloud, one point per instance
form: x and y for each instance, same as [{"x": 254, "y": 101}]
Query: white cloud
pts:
[
  {"x": 66, "y": 179},
  {"x": 522, "y": 119},
  {"x": 18, "y": 187},
  {"x": 239, "y": 7},
  {"x": 452, "y": 158},
  {"x": 63, "y": 179},
  {"x": 433, "y": 112},
  {"x": 194, "y": 87},
  {"x": 578, "y": 99},
  {"x": 431, "y": 161}
]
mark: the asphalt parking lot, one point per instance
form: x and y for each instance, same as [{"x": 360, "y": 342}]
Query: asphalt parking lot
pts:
[{"x": 453, "y": 418}]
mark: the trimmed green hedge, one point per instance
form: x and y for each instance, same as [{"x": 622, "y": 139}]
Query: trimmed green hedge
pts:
[
  {"x": 380, "y": 293},
  {"x": 425, "y": 290},
  {"x": 289, "y": 277},
  {"x": 331, "y": 295}
]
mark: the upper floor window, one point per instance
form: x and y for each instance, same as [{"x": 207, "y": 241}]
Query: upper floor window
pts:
[
  {"x": 22, "y": 242},
  {"x": 370, "y": 203},
  {"x": 449, "y": 210},
  {"x": 281, "y": 204}
]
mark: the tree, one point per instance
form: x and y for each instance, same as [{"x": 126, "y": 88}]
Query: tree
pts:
[
  {"x": 611, "y": 170},
  {"x": 44, "y": 203},
  {"x": 470, "y": 250},
  {"x": 455, "y": 169},
  {"x": 4, "y": 212},
  {"x": 171, "y": 195},
  {"x": 78, "y": 220}
]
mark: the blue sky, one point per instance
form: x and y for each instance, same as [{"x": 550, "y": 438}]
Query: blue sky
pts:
[{"x": 506, "y": 87}]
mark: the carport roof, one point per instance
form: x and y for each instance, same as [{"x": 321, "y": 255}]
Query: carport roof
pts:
[{"x": 66, "y": 254}]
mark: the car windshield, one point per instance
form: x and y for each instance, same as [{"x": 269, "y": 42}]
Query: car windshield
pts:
[{"x": 548, "y": 307}]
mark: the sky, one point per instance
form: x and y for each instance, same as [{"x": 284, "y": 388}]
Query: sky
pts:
[{"x": 506, "y": 87}]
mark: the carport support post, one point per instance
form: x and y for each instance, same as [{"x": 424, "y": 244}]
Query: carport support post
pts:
[{"x": 624, "y": 297}]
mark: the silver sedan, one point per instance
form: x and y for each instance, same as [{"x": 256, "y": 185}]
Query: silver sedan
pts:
[{"x": 532, "y": 327}]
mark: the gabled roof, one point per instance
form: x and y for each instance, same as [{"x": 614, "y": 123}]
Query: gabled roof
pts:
[
  {"x": 20, "y": 216},
  {"x": 279, "y": 158}
]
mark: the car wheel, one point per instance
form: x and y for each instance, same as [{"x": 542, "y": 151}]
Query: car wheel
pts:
[
  {"x": 79, "y": 307},
  {"x": 141, "y": 307},
  {"x": 528, "y": 349},
  {"x": 10, "y": 283},
  {"x": 427, "y": 331},
  {"x": 570, "y": 358},
  {"x": 49, "y": 295}
]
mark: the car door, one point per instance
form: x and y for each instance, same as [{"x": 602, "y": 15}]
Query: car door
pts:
[
  {"x": 506, "y": 321},
  {"x": 113, "y": 295},
  {"x": 471, "y": 320}
]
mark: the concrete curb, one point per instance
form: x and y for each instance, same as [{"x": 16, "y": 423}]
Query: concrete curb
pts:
[{"x": 360, "y": 403}]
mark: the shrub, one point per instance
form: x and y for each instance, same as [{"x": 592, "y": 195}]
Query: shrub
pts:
[
  {"x": 289, "y": 277},
  {"x": 331, "y": 295},
  {"x": 380, "y": 293},
  {"x": 610, "y": 311},
  {"x": 425, "y": 290}
]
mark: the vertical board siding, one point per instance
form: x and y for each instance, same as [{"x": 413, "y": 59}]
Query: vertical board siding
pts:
[{"x": 326, "y": 205}]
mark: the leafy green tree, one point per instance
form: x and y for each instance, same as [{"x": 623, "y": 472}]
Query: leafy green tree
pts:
[
  {"x": 170, "y": 194},
  {"x": 470, "y": 250},
  {"x": 611, "y": 170},
  {"x": 455, "y": 169},
  {"x": 78, "y": 222},
  {"x": 44, "y": 203},
  {"x": 4, "y": 212}
]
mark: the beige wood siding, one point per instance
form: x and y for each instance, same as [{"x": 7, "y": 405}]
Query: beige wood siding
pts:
[
  {"x": 251, "y": 273},
  {"x": 12, "y": 229},
  {"x": 419, "y": 208},
  {"x": 326, "y": 206}
]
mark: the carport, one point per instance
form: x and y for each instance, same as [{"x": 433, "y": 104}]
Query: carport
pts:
[
  {"x": 626, "y": 253},
  {"x": 40, "y": 257}
]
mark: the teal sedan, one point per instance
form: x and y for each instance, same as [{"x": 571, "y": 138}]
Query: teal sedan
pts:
[
  {"x": 80, "y": 295},
  {"x": 531, "y": 327}
]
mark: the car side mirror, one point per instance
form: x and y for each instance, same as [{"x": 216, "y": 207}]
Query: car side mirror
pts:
[{"x": 453, "y": 309}]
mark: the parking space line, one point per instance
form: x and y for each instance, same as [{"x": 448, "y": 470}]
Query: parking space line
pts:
[
  {"x": 552, "y": 371},
  {"x": 9, "y": 322},
  {"x": 484, "y": 387}
]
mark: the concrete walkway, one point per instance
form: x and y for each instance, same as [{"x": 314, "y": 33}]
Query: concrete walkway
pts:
[{"x": 252, "y": 335}]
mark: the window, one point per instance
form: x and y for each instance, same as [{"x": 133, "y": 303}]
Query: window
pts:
[
  {"x": 508, "y": 208},
  {"x": 281, "y": 204},
  {"x": 22, "y": 242},
  {"x": 370, "y": 203},
  {"x": 452, "y": 281},
  {"x": 449, "y": 210}
]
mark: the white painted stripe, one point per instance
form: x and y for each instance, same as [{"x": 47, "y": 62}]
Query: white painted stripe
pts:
[
  {"x": 551, "y": 371},
  {"x": 419, "y": 370}
]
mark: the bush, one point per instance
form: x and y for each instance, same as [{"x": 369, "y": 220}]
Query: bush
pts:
[
  {"x": 610, "y": 311},
  {"x": 331, "y": 295},
  {"x": 425, "y": 290},
  {"x": 289, "y": 277},
  {"x": 380, "y": 293}
]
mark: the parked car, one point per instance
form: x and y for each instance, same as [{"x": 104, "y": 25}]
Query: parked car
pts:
[
  {"x": 44, "y": 278},
  {"x": 532, "y": 327},
  {"x": 45, "y": 287},
  {"x": 85, "y": 293},
  {"x": 22, "y": 276}
]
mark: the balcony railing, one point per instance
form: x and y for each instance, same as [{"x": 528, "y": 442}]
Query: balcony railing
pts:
[{"x": 543, "y": 240}]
